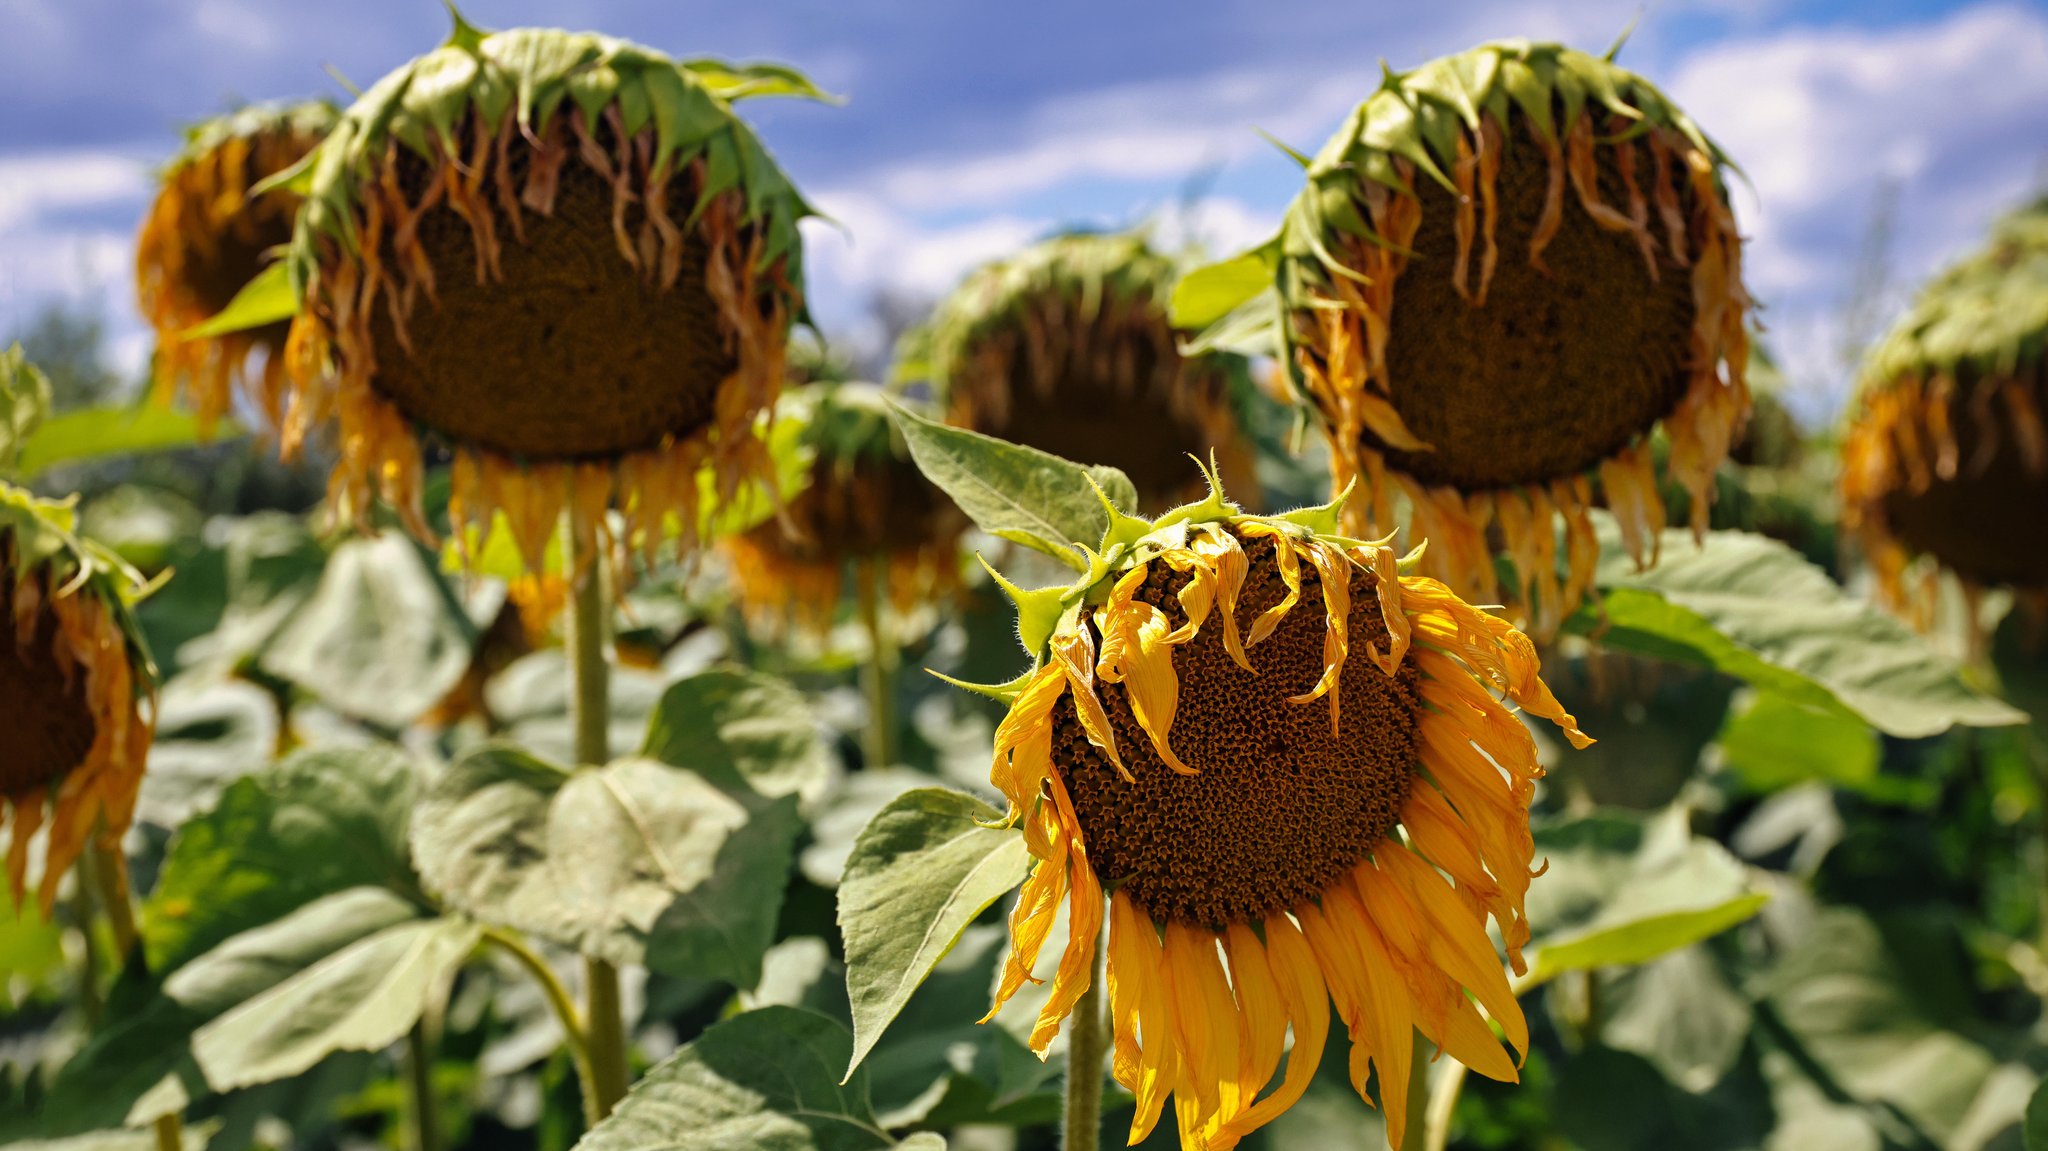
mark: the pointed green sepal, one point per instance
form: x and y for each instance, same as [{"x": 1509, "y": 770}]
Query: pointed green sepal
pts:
[
  {"x": 1322, "y": 520},
  {"x": 1001, "y": 692},
  {"x": 1038, "y": 609},
  {"x": 463, "y": 35}
]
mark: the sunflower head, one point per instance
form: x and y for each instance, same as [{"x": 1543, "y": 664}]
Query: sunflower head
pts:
[
  {"x": 1298, "y": 775},
  {"x": 1946, "y": 454},
  {"x": 867, "y": 510},
  {"x": 76, "y": 689},
  {"x": 207, "y": 234},
  {"x": 1507, "y": 269},
  {"x": 1067, "y": 346},
  {"x": 564, "y": 257}
]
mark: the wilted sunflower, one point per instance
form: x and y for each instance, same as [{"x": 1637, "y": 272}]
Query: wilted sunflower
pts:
[
  {"x": 207, "y": 236},
  {"x": 1285, "y": 763},
  {"x": 1507, "y": 268},
  {"x": 1067, "y": 347},
  {"x": 867, "y": 508},
  {"x": 1946, "y": 454},
  {"x": 563, "y": 256},
  {"x": 77, "y": 689}
]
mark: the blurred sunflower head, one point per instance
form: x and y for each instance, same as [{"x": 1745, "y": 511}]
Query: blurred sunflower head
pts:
[
  {"x": 564, "y": 258},
  {"x": 1945, "y": 459},
  {"x": 1508, "y": 268},
  {"x": 1067, "y": 347},
  {"x": 206, "y": 236},
  {"x": 867, "y": 511},
  {"x": 1287, "y": 765},
  {"x": 77, "y": 690}
]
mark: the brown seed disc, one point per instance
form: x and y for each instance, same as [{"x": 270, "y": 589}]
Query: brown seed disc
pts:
[
  {"x": 1556, "y": 372},
  {"x": 573, "y": 353},
  {"x": 46, "y": 728},
  {"x": 881, "y": 505},
  {"x": 1986, "y": 524},
  {"x": 1279, "y": 809},
  {"x": 1093, "y": 414}
]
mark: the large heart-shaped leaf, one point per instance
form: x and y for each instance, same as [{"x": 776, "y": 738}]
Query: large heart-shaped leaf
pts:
[
  {"x": 634, "y": 862},
  {"x": 362, "y": 997},
  {"x": 767, "y": 1080},
  {"x": 210, "y": 732},
  {"x": 315, "y": 824},
  {"x": 1623, "y": 890},
  {"x": 382, "y": 639},
  {"x": 1014, "y": 492},
  {"x": 924, "y": 869},
  {"x": 1754, "y": 609},
  {"x": 737, "y": 727}
]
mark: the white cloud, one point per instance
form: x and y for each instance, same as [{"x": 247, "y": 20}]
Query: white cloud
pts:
[
  {"x": 38, "y": 183},
  {"x": 1820, "y": 119}
]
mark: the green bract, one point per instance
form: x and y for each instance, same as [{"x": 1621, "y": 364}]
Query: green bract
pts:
[
  {"x": 44, "y": 535},
  {"x": 1988, "y": 313},
  {"x": 531, "y": 74},
  {"x": 312, "y": 118},
  {"x": 1415, "y": 116}
]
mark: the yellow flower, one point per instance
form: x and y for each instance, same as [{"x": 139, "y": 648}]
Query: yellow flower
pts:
[
  {"x": 867, "y": 507},
  {"x": 1508, "y": 269},
  {"x": 1946, "y": 452},
  {"x": 1298, "y": 776},
  {"x": 77, "y": 690},
  {"x": 1067, "y": 347},
  {"x": 564, "y": 257},
  {"x": 206, "y": 236}
]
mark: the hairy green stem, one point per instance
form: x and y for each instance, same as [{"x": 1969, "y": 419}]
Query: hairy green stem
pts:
[
  {"x": 1087, "y": 1046},
  {"x": 106, "y": 870},
  {"x": 423, "y": 1107},
  {"x": 1415, "y": 1136},
  {"x": 608, "y": 1068},
  {"x": 559, "y": 999},
  {"x": 877, "y": 675}
]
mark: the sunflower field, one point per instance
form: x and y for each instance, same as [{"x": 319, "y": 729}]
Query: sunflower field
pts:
[{"x": 1411, "y": 684}]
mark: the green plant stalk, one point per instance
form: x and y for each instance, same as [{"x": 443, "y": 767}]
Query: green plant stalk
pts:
[
  {"x": 1415, "y": 1136},
  {"x": 558, "y": 997},
  {"x": 1087, "y": 1046},
  {"x": 89, "y": 997},
  {"x": 878, "y": 675},
  {"x": 106, "y": 870},
  {"x": 1443, "y": 1098},
  {"x": 419, "y": 1068},
  {"x": 590, "y": 714}
]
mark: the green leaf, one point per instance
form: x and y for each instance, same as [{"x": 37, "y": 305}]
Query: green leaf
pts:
[
  {"x": 31, "y": 950},
  {"x": 1624, "y": 890},
  {"x": 24, "y": 403},
  {"x": 315, "y": 824},
  {"x": 1679, "y": 1013},
  {"x": 740, "y": 728},
  {"x": 2037, "y": 1119},
  {"x": 382, "y": 638},
  {"x": 636, "y": 862},
  {"x": 268, "y": 299},
  {"x": 924, "y": 869},
  {"x": 1867, "y": 1025},
  {"x": 1210, "y": 293},
  {"x": 363, "y": 997},
  {"x": 742, "y": 81},
  {"x": 1770, "y": 743},
  {"x": 767, "y": 1080},
  {"x": 1753, "y": 608},
  {"x": 1017, "y": 493},
  {"x": 210, "y": 732},
  {"x": 103, "y": 433}
]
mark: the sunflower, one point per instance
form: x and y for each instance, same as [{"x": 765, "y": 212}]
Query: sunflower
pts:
[
  {"x": 562, "y": 256},
  {"x": 1946, "y": 454},
  {"x": 1509, "y": 267},
  {"x": 867, "y": 508},
  {"x": 1285, "y": 764},
  {"x": 207, "y": 235},
  {"x": 1067, "y": 347},
  {"x": 77, "y": 690}
]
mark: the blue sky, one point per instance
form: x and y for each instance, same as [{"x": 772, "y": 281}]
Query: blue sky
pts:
[{"x": 971, "y": 128}]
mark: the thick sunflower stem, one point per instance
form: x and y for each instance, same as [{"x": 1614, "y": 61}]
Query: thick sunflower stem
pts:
[
  {"x": 877, "y": 677},
  {"x": 590, "y": 713},
  {"x": 106, "y": 870},
  {"x": 1443, "y": 1104},
  {"x": 419, "y": 1073},
  {"x": 1087, "y": 1047},
  {"x": 1415, "y": 1136}
]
